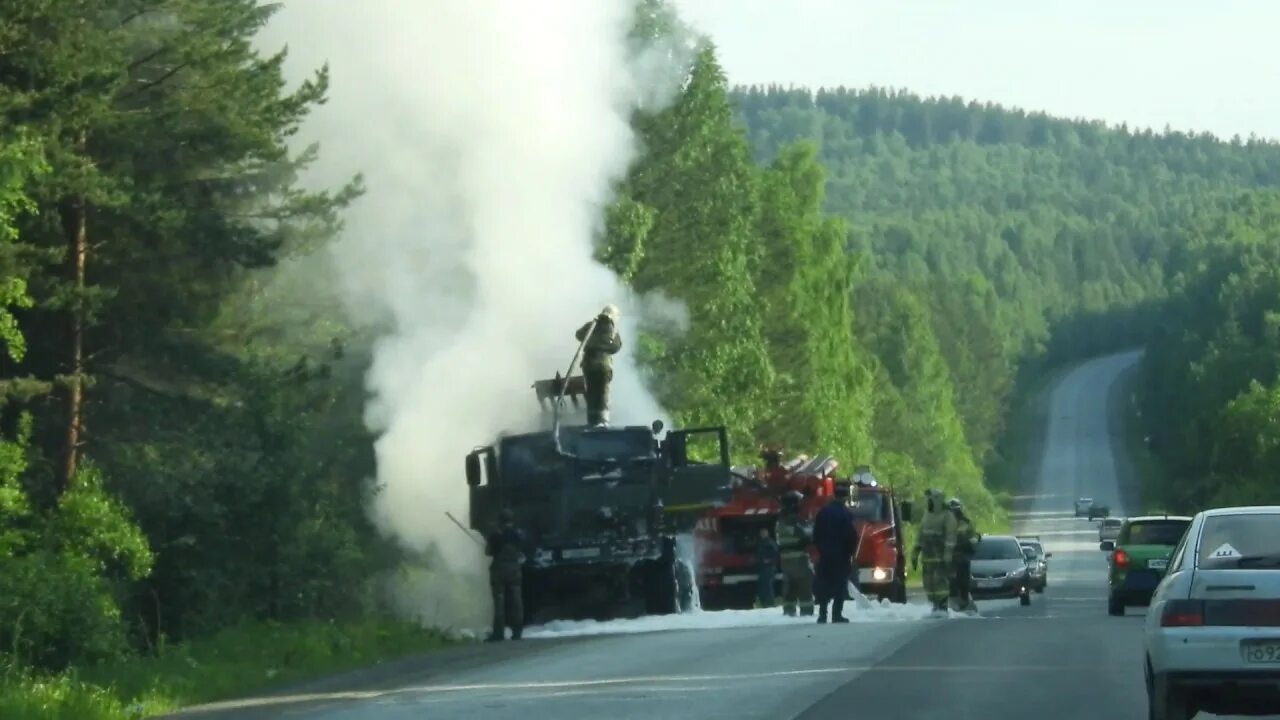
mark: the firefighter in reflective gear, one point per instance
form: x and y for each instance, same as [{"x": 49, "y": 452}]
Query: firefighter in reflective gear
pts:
[
  {"x": 794, "y": 538},
  {"x": 967, "y": 538},
  {"x": 597, "y": 361},
  {"x": 937, "y": 542},
  {"x": 505, "y": 545}
]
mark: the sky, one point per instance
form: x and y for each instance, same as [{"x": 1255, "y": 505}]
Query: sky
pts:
[{"x": 1194, "y": 65}]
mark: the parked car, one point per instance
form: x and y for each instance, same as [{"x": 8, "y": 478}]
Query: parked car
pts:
[
  {"x": 1037, "y": 561},
  {"x": 1109, "y": 529},
  {"x": 1139, "y": 555},
  {"x": 999, "y": 570},
  {"x": 1211, "y": 639}
]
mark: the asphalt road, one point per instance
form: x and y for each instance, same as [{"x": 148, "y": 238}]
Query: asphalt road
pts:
[{"x": 1060, "y": 658}]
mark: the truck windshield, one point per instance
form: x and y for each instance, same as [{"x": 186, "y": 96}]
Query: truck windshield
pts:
[
  {"x": 621, "y": 444},
  {"x": 872, "y": 507},
  {"x": 533, "y": 458},
  {"x": 530, "y": 458}
]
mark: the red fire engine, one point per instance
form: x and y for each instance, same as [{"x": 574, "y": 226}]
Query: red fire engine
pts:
[
  {"x": 881, "y": 521},
  {"x": 726, "y": 536}
]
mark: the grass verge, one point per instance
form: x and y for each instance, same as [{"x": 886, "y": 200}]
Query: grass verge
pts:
[{"x": 236, "y": 662}]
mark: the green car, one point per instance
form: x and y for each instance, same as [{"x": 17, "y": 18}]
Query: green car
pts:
[{"x": 1139, "y": 556}]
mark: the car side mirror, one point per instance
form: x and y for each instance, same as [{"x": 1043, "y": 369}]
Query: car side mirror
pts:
[
  {"x": 473, "y": 470},
  {"x": 1048, "y": 555},
  {"x": 906, "y": 511},
  {"x": 1107, "y": 545}
]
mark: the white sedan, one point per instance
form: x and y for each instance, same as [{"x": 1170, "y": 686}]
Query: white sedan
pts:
[{"x": 1212, "y": 634}]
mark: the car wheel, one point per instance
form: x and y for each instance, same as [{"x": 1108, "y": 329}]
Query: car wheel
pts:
[
  {"x": 1167, "y": 702},
  {"x": 1115, "y": 606}
]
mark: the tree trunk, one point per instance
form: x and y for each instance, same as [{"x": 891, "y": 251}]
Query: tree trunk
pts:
[{"x": 78, "y": 237}]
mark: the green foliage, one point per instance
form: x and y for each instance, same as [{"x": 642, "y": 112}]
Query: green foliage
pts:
[
  {"x": 241, "y": 659},
  {"x": 1212, "y": 367},
  {"x": 995, "y": 246}
]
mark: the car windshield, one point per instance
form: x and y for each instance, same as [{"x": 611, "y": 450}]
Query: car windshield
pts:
[
  {"x": 998, "y": 548},
  {"x": 1112, "y": 523},
  {"x": 1245, "y": 541},
  {"x": 1154, "y": 532},
  {"x": 872, "y": 507},
  {"x": 1033, "y": 548}
]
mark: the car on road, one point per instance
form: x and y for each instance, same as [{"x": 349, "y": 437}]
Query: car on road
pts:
[
  {"x": 1037, "y": 561},
  {"x": 1098, "y": 511},
  {"x": 1109, "y": 529},
  {"x": 1211, "y": 639},
  {"x": 999, "y": 570},
  {"x": 1082, "y": 506},
  {"x": 1138, "y": 559}
]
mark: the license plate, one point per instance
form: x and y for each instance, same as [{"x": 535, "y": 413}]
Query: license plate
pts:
[
  {"x": 1160, "y": 564},
  {"x": 1260, "y": 651},
  {"x": 576, "y": 553},
  {"x": 989, "y": 583}
]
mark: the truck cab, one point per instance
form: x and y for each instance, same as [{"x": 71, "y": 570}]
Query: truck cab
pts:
[
  {"x": 881, "y": 521},
  {"x": 592, "y": 504}
]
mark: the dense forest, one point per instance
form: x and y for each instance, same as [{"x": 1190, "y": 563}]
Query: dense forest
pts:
[
  {"x": 1021, "y": 241},
  {"x": 1211, "y": 393},
  {"x": 868, "y": 273}
]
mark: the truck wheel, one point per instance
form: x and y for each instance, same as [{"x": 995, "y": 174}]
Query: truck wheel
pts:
[
  {"x": 662, "y": 588},
  {"x": 898, "y": 591}
]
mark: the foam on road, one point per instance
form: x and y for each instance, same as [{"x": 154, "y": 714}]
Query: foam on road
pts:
[{"x": 883, "y": 611}]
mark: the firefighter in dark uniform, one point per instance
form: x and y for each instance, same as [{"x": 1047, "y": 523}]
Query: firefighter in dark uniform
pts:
[
  {"x": 794, "y": 538},
  {"x": 597, "y": 362},
  {"x": 834, "y": 534},
  {"x": 506, "y": 546}
]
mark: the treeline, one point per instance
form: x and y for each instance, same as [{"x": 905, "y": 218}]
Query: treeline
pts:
[
  {"x": 1210, "y": 390},
  {"x": 175, "y": 457},
  {"x": 1017, "y": 241}
]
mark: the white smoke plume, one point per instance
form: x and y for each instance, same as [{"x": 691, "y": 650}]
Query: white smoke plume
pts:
[{"x": 490, "y": 133}]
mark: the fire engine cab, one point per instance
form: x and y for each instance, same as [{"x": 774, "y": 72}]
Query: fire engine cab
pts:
[{"x": 881, "y": 525}]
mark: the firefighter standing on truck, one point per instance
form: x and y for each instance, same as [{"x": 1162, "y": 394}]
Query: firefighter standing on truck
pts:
[
  {"x": 794, "y": 538},
  {"x": 937, "y": 542},
  {"x": 597, "y": 361},
  {"x": 967, "y": 538},
  {"x": 505, "y": 545}
]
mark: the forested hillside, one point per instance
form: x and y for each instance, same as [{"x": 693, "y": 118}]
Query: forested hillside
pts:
[
  {"x": 1001, "y": 240},
  {"x": 1211, "y": 395}
]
